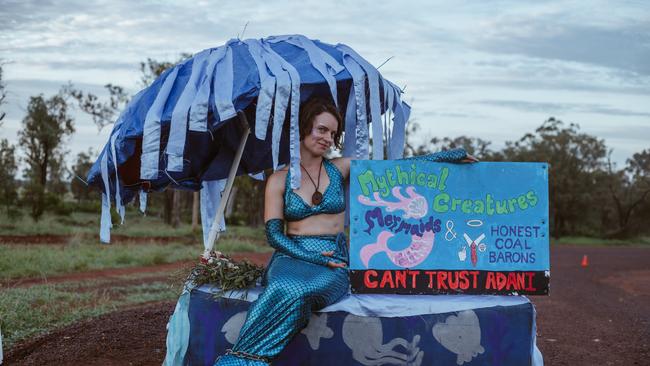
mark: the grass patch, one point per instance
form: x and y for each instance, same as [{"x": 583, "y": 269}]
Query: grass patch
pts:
[
  {"x": 27, "y": 312},
  {"x": 244, "y": 232},
  {"x": 46, "y": 260},
  {"x": 589, "y": 241},
  {"x": 135, "y": 225},
  {"x": 18, "y": 261},
  {"x": 76, "y": 223}
]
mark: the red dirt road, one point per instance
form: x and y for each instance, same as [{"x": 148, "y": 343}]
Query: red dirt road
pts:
[{"x": 599, "y": 315}]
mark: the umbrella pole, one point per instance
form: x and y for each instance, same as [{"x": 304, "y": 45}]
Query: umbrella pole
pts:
[{"x": 216, "y": 228}]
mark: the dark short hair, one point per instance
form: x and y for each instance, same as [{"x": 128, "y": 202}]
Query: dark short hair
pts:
[{"x": 312, "y": 108}]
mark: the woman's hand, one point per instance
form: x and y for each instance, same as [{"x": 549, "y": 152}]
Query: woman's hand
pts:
[
  {"x": 332, "y": 264},
  {"x": 470, "y": 159}
]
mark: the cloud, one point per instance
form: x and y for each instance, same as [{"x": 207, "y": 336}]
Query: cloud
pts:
[
  {"x": 624, "y": 46},
  {"x": 512, "y": 64},
  {"x": 558, "y": 108},
  {"x": 626, "y": 133}
]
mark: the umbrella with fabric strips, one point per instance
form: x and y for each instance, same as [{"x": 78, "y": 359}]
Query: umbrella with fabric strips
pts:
[{"x": 189, "y": 129}]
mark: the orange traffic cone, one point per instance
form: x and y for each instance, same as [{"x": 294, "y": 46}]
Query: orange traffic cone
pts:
[{"x": 585, "y": 261}]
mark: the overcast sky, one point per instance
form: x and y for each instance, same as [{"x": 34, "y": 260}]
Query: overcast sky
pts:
[{"x": 489, "y": 69}]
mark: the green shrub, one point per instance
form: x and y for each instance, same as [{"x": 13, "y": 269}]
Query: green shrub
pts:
[{"x": 14, "y": 214}]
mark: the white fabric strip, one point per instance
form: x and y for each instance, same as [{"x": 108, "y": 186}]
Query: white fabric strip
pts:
[
  {"x": 210, "y": 199},
  {"x": 105, "y": 223},
  {"x": 118, "y": 198},
  {"x": 151, "y": 129},
  {"x": 143, "y": 201}
]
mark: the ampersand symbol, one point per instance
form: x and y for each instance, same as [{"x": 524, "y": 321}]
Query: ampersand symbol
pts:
[{"x": 450, "y": 234}]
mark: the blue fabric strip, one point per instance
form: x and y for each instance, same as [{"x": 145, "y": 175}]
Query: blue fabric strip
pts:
[
  {"x": 200, "y": 106},
  {"x": 401, "y": 113},
  {"x": 359, "y": 85},
  {"x": 294, "y": 135},
  {"x": 350, "y": 126},
  {"x": 349, "y": 144},
  {"x": 375, "y": 106},
  {"x": 282, "y": 95},
  {"x": 151, "y": 129},
  {"x": 178, "y": 128},
  {"x": 266, "y": 92},
  {"x": 223, "y": 85},
  {"x": 389, "y": 97},
  {"x": 322, "y": 61}
]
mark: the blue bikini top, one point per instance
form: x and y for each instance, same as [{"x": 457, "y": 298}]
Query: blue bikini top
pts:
[{"x": 295, "y": 208}]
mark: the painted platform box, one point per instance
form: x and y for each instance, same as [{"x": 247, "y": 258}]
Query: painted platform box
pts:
[{"x": 454, "y": 330}]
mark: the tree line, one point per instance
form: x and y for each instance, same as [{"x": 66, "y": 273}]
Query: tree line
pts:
[
  {"x": 47, "y": 183},
  {"x": 589, "y": 194}
]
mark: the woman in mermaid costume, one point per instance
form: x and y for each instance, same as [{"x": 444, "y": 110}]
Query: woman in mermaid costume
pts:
[{"x": 308, "y": 269}]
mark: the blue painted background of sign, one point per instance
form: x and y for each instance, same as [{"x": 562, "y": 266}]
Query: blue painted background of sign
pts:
[{"x": 421, "y": 215}]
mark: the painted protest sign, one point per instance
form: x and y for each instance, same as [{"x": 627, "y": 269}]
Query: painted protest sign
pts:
[{"x": 427, "y": 228}]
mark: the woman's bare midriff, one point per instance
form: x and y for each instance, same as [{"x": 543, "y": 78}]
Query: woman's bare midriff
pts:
[{"x": 322, "y": 224}]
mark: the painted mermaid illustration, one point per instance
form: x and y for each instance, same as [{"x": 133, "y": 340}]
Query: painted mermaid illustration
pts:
[{"x": 414, "y": 206}]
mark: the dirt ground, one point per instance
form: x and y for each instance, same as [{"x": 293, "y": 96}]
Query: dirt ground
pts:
[
  {"x": 598, "y": 315},
  {"x": 595, "y": 315}
]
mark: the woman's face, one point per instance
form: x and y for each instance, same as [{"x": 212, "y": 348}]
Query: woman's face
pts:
[{"x": 321, "y": 138}]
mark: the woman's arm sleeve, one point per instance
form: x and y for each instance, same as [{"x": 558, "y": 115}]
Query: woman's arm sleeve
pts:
[
  {"x": 447, "y": 156},
  {"x": 279, "y": 241}
]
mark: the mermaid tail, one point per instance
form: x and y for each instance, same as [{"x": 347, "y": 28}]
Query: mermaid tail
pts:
[
  {"x": 414, "y": 206},
  {"x": 232, "y": 360},
  {"x": 379, "y": 246},
  {"x": 409, "y": 257},
  {"x": 295, "y": 289}
]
